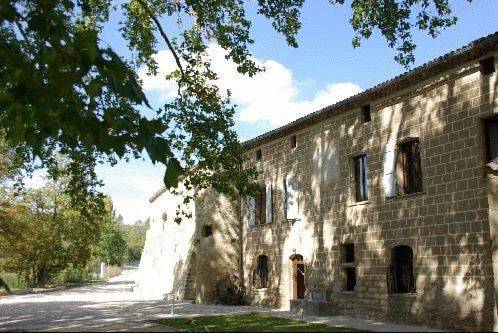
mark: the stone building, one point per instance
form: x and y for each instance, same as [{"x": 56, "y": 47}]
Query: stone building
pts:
[{"x": 381, "y": 206}]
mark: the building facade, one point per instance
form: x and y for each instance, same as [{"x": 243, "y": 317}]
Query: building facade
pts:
[{"x": 382, "y": 206}]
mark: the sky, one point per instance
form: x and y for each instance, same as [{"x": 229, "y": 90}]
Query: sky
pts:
[{"x": 324, "y": 69}]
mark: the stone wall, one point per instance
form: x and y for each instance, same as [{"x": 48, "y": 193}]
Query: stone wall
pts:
[
  {"x": 219, "y": 253},
  {"x": 447, "y": 224}
]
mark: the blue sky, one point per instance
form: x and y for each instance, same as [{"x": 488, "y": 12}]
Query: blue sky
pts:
[{"x": 323, "y": 69}]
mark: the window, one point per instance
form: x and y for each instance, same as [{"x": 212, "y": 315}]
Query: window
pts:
[
  {"x": 365, "y": 113},
  {"x": 487, "y": 66},
  {"x": 360, "y": 177},
  {"x": 259, "y": 155},
  {"x": 350, "y": 273},
  {"x": 293, "y": 142},
  {"x": 260, "y": 274},
  {"x": 491, "y": 137},
  {"x": 348, "y": 253},
  {"x": 208, "y": 230},
  {"x": 348, "y": 266},
  {"x": 410, "y": 165},
  {"x": 400, "y": 272},
  {"x": 260, "y": 208}
]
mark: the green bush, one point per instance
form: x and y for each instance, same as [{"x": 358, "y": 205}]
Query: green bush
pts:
[
  {"x": 75, "y": 275},
  {"x": 13, "y": 280}
]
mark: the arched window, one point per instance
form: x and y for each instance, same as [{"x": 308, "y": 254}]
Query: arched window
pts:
[
  {"x": 400, "y": 272},
  {"x": 260, "y": 274}
]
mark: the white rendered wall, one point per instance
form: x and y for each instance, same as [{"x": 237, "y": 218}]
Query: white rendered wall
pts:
[{"x": 164, "y": 262}]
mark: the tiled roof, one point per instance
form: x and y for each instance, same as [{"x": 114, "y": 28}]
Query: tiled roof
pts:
[{"x": 471, "y": 51}]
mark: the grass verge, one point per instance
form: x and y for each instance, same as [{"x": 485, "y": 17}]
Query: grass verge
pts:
[{"x": 253, "y": 322}]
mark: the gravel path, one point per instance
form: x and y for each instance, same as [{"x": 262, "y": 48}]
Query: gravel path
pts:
[{"x": 112, "y": 306}]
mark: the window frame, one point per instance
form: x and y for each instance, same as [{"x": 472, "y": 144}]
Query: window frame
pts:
[
  {"x": 366, "y": 113},
  {"x": 259, "y": 154},
  {"x": 405, "y": 284},
  {"x": 347, "y": 284},
  {"x": 261, "y": 273},
  {"x": 348, "y": 266},
  {"x": 487, "y": 143},
  {"x": 360, "y": 181},
  {"x": 410, "y": 160},
  {"x": 293, "y": 142},
  {"x": 260, "y": 208}
]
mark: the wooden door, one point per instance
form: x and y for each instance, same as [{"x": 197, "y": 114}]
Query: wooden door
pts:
[{"x": 298, "y": 277}]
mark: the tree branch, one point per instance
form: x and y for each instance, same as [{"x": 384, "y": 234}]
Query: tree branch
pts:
[{"x": 163, "y": 34}]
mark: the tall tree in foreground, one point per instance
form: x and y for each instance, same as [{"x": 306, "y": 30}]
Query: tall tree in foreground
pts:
[{"x": 63, "y": 89}]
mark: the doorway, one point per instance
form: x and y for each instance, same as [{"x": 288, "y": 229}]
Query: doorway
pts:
[{"x": 297, "y": 276}]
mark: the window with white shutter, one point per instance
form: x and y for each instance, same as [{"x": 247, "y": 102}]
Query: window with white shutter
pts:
[{"x": 389, "y": 164}]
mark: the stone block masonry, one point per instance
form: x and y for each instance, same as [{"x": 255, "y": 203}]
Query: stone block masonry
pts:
[
  {"x": 385, "y": 202},
  {"x": 444, "y": 228}
]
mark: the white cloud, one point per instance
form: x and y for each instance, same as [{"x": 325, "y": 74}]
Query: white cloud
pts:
[
  {"x": 130, "y": 185},
  {"x": 158, "y": 83},
  {"x": 272, "y": 95}
]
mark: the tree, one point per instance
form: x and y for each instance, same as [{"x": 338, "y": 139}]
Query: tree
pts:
[
  {"x": 62, "y": 89},
  {"x": 134, "y": 236},
  {"x": 112, "y": 247},
  {"x": 43, "y": 233}
]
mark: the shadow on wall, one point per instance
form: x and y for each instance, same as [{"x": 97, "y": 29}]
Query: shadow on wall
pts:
[
  {"x": 446, "y": 225},
  {"x": 216, "y": 242}
]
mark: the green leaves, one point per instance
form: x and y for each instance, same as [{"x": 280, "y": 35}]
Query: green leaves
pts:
[
  {"x": 173, "y": 173},
  {"x": 158, "y": 150},
  {"x": 122, "y": 79},
  {"x": 395, "y": 19},
  {"x": 63, "y": 92}
]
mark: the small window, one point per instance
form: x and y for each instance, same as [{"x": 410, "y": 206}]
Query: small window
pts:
[
  {"x": 293, "y": 142},
  {"x": 208, "y": 230},
  {"x": 400, "y": 272},
  {"x": 260, "y": 208},
  {"x": 259, "y": 155},
  {"x": 260, "y": 274},
  {"x": 487, "y": 66},
  {"x": 360, "y": 177},
  {"x": 491, "y": 133},
  {"x": 348, "y": 266},
  {"x": 409, "y": 161},
  {"x": 350, "y": 273},
  {"x": 365, "y": 113},
  {"x": 348, "y": 253}
]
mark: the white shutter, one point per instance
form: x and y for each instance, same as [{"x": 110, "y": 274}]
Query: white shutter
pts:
[
  {"x": 390, "y": 170},
  {"x": 291, "y": 197},
  {"x": 251, "y": 207},
  {"x": 269, "y": 203}
]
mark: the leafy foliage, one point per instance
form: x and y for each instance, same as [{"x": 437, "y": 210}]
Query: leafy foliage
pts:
[
  {"x": 111, "y": 247},
  {"x": 41, "y": 234},
  {"x": 134, "y": 236},
  {"x": 395, "y": 19},
  {"x": 42, "y": 231},
  {"x": 63, "y": 90}
]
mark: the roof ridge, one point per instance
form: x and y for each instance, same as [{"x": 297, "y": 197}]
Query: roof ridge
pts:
[{"x": 357, "y": 98}]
